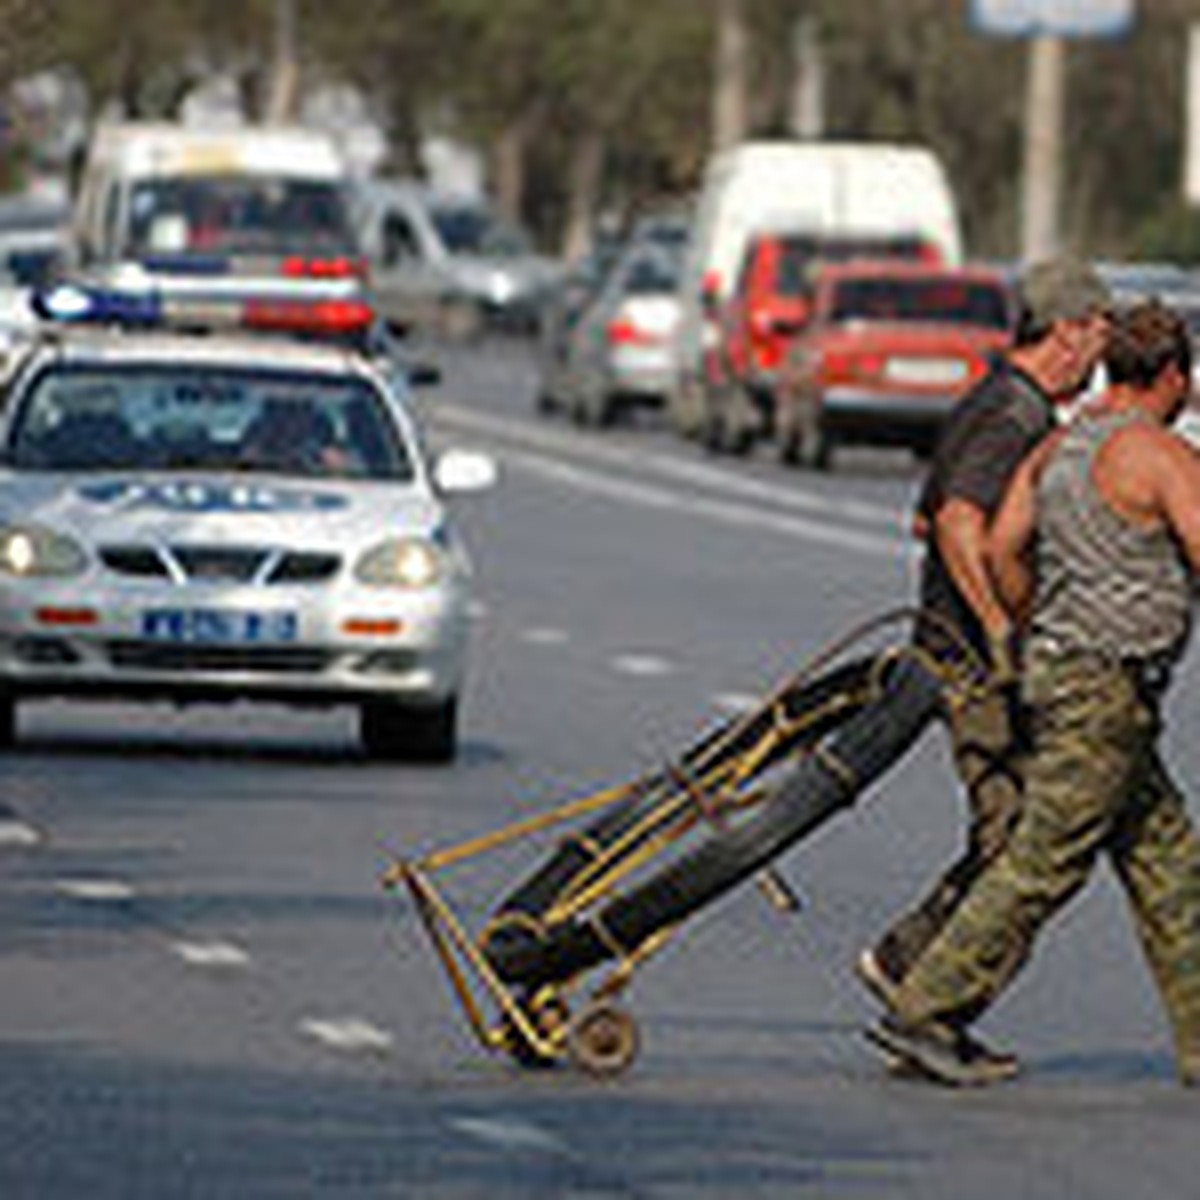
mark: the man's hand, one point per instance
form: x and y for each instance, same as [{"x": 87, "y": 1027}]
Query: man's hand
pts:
[{"x": 1002, "y": 656}]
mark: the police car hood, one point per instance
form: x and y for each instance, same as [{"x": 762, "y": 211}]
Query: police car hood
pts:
[{"x": 220, "y": 509}]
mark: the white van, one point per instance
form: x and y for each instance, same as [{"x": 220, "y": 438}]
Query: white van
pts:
[
  {"x": 822, "y": 188},
  {"x": 214, "y": 214}
]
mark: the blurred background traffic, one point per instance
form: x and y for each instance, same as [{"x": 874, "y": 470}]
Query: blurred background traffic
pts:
[{"x": 659, "y": 195}]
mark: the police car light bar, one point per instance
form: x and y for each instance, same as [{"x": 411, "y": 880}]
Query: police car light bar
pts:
[{"x": 70, "y": 304}]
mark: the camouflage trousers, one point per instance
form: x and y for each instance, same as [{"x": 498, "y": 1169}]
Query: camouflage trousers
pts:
[
  {"x": 1094, "y": 784},
  {"x": 989, "y": 758}
]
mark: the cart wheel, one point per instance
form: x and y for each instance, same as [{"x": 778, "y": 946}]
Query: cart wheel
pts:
[
  {"x": 603, "y": 1039},
  {"x": 549, "y": 1014}
]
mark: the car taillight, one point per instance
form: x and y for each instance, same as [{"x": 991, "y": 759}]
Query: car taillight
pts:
[
  {"x": 847, "y": 367},
  {"x": 624, "y": 332},
  {"x": 299, "y": 316},
  {"x": 339, "y": 267}
]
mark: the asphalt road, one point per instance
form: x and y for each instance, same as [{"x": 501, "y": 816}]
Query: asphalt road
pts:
[{"x": 205, "y": 993}]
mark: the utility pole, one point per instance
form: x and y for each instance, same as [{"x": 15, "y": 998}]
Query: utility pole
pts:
[
  {"x": 1046, "y": 25},
  {"x": 1044, "y": 95},
  {"x": 806, "y": 110},
  {"x": 730, "y": 69},
  {"x": 284, "y": 92}
]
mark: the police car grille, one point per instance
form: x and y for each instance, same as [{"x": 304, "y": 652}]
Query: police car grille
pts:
[
  {"x": 292, "y": 660},
  {"x": 227, "y": 563},
  {"x": 140, "y": 562},
  {"x": 221, "y": 564},
  {"x": 301, "y": 567}
]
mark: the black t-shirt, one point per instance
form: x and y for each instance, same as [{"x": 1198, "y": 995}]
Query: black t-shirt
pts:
[{"x": 987, "y": 435}]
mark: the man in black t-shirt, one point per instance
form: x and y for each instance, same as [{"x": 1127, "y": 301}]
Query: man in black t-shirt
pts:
[{"x": 1062, "y": 331}]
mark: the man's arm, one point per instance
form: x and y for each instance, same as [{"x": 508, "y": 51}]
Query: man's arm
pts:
[
  {"x": 1010, "y": 539},
  {"x": 961, "y": 529},
  {"x": 1175, "y": 470}
]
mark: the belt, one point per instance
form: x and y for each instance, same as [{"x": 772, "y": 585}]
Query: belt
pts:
[{"x": 1151, "y": 673}]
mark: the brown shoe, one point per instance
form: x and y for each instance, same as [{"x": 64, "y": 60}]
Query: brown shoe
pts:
[{"x": 940, "y": 1053}]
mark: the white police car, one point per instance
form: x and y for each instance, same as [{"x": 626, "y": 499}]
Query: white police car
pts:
[{"x": 219, "y": 518}]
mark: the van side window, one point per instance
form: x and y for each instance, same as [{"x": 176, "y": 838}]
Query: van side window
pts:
[{"x": 399, "y": 240}]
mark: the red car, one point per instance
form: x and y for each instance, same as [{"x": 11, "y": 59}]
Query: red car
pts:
[
  {"x": 770, "y": 304},
  {"x": 888, "y": 351}
]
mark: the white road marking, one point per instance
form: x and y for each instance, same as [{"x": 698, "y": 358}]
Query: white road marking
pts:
[
  {"x": 211, "y": 954},
  {"x": 545, "y": 637},
  {"x": 101, "y": 891},
  {"x": 826, "y": 532},
  {"x": 509, "y": 1133},
  {"x": 643, "y": 666},
  {"x": 476, "y": 610},
  {"x": 789, "y": 495},
  {"x": 17, "y": 833},
  {"x": 347, "y": 1033},
  {"x": 736, "y": 702}
]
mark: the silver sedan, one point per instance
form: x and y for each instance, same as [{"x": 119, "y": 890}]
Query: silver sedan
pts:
[{"x": 197, "y": 519}]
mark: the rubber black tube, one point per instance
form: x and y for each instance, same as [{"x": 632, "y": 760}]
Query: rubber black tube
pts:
[
  {"x": 847, "y": 761},
  {"x": 728, "y": 741}
]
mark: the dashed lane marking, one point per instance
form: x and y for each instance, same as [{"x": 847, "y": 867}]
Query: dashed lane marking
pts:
[
  {"x": 215, "y": 955},
  {"x": 509, "y": 1134},
  {"x": 350, "y": 1034},
  {"x": 545, "y": 637},
  {"x": 476, "y": 610},
  {"x": 99, "y": 891},
  {"x": 17, "y": 834},
  {"x": 736, "y": 702},
  {"x": 642, "y": 666}
]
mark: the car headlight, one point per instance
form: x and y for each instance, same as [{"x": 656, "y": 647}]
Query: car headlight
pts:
[
  {"x": 402, "y": 562},
  {"x": 29, "y": 551}
]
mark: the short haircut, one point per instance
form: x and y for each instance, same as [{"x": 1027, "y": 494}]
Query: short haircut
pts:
[
  {"x": 1030, "y": 328},
  {"x": 1145, "y": 340}
]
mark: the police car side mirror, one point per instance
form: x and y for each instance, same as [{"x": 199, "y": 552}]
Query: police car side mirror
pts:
[
  {"x": 423, "y": 374},
  {"x": 465, "y": 471}
]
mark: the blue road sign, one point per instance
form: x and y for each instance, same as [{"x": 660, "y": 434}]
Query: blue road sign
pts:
[{"x": 1053, "y": 18}]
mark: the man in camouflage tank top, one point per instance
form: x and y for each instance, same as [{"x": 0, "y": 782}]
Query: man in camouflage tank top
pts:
[
  {"x": 1095, "y": 550},
  {"x": 1061, "y": 332}
]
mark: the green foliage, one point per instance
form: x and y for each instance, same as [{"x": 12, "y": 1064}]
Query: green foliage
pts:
[{"x": 635, "y": 77}]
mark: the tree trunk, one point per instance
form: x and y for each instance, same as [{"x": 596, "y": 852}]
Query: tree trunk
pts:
[
  {"x": 584, "y": 174},
  {"x": 730, "y": 67},
  {"x": 508, "y": 166}
]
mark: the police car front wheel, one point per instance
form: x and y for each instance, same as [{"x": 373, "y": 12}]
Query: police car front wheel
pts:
[{"x": 407, "y": 733}]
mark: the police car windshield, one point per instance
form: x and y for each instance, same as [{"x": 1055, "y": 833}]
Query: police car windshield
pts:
[
  {"x": 236, "y": 215},
  {"x": 143, "y": 418}
]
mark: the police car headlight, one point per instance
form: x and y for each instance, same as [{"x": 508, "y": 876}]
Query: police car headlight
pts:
[
  {"x": 28, "y": 551},
  {"x": 402, "y": 562}
]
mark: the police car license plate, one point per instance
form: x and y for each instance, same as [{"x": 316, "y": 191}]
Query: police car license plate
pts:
[{"x": 218, "y": 626}]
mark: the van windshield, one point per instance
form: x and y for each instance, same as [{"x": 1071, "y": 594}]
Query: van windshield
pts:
[
  {"x": 474, "y": 230},
  {"x": 260, "y": 216},
  {"x": 801, "y": 256}
]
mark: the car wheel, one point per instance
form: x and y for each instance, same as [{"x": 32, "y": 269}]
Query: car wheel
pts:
[
  {"x": 813, "y": 442},
  {"x": 407, "y": 733},
  {"x": 8, "y": 722}
]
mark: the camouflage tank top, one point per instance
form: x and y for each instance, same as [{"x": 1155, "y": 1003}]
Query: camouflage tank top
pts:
[{"x": 1104, "y": 585}]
